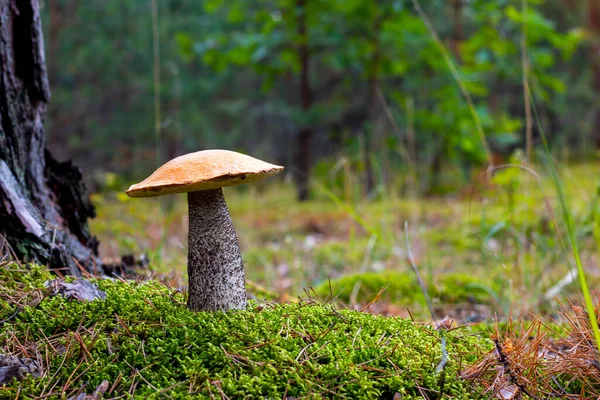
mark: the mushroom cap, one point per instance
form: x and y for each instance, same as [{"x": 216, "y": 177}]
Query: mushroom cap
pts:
[{"x": 203, "y": 170}]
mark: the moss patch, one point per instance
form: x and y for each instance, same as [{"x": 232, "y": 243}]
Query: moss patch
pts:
[
  {"x": 144, "y": 341},
  {"x": 403, "y": 288}
]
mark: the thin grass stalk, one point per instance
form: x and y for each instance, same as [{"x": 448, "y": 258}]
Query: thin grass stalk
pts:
[
  {"x": 568, "y": 217},
  {"x": 442, "y": 364},
  {"x": 409, "y": 156},
  {"x": 157, "y": 106},
  {"x": 525, "y": 69},
  {"x": 411, "y": 143},
  {"x": 349, "y": 209},
  {"x": 401, "y": 147},
  {"x": 156, "y": 77},
  {"x": 454, "y": 71}
]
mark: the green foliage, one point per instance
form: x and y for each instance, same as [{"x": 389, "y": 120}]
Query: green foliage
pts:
[
  {"x": 230, "y": 79},
  {"x": 592, "y": 222},
  {"x": 403, "y": 288},
  {"x": 347, "y": 39},
  {"x": 143, "y": 340}
]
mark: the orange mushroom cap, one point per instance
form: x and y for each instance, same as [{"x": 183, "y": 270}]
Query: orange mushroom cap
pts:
[{"x": 203, "y": 170}]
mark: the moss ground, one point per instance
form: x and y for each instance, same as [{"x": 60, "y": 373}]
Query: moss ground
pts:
[
  {"x": 500, "y": 250},
  {"x": 146, "y": 344},
  {"x": 403, "y": 288}
]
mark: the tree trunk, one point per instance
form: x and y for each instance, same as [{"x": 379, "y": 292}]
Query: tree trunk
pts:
[
  {"x": 458, "y": 31},
  {"x": 304, "y": 138},
  {"x": 43, "y": 203},
  {"x": 371, "y": 104}
]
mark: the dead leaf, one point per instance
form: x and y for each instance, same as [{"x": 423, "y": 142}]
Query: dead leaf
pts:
[
  {"x": 80, "y": 290},
  {"x": 97, "y": 395},
  {"x": 12, "y": 367},
  {"x": 508, "y": 393}
]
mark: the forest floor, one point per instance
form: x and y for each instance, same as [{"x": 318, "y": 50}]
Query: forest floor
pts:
[
  {"x": 494, "y": 257},
  {"x": 493, "y": 251},
  {"x": 137, "y": 339}
]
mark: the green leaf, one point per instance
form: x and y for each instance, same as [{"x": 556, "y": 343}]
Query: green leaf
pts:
[{"x": 212, "y": 6}]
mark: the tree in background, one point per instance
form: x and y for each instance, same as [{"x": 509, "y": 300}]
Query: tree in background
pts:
[
  {"x": 303, "y": 82},
  {"x": 283, "y": 41},
  {"x": 385, "y": 47}
]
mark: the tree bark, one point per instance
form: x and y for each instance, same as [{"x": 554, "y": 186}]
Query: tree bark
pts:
[
  {"x": 304, "y": 138},
  {"x": 44, "y": 206}
]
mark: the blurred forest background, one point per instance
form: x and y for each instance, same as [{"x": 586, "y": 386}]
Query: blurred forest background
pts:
[
  {"x": 384, "y": 112},
  {"x": 395, "y": 91}
]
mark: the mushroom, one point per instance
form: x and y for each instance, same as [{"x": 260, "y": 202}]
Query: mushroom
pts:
[{"x": 215, "y": 269}]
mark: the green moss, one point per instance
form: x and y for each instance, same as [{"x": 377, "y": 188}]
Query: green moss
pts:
[
  {"x": 403, "y": 288},
  {"x": 335, "y": 256},
  {"x": 457, "y": 288},
  {"x": 143, "y": 339},
  {"x": 399, "y": 288},
  {"x": 17, "y": 277}
]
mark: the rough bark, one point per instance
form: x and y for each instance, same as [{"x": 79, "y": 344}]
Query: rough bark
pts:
[
  {"x": 304, "y": 138},
  {"x": 43, "y": 203},
  {"x": 215, "y": 269}
]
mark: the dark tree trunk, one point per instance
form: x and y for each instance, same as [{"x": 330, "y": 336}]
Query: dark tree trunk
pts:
[
  {"x": 436, "y": 166},
  {"x": 304, "y": 138},
  {"x": 371, "y": 103},
  {"x": 43, "y": 204},
  {"x": 458, "y": 32},
  {"x": 440, "y": 151}
]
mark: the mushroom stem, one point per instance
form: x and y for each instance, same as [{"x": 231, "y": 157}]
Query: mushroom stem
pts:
[{"x": 215, "y": 270}]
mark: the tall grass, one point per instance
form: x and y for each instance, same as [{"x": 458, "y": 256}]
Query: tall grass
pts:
[
  {"x": 566, "y": 211},
  {"x": 456, "y": 75},
  {"x": 529, "y": 106},
  {"x": 570, "y": 226}
]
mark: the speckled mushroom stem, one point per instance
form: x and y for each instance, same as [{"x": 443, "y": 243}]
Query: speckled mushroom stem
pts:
[{"x": 215, "y": 270}]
